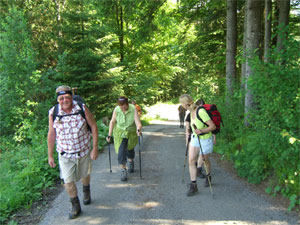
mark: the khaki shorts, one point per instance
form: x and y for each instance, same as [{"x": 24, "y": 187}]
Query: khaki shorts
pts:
[{"x": 73, "y": 170}]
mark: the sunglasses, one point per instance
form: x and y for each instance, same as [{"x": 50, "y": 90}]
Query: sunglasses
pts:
[{"x": 61, "y": 98}]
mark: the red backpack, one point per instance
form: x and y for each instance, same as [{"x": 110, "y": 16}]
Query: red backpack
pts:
[{"x": 214, "y": 114}]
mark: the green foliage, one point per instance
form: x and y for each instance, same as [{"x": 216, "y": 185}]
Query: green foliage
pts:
[
  {"x": 145, "y": 121},
  {"x": 252, "y": 161},
  {"x": 17, "y": 63},
  {"x": 270, "y": 147},
  {"x": 102, "y": 134},
  {"x": 24, "y": 173},
  {"x": 279, "y": 114},
  {"x": 147, "y": 50},
  {"x": 85, "y": 58}
]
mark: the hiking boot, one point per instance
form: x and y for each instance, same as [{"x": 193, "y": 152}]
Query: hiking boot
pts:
[
  {"x": 76, "y": 209},
  {"x": 86, "y": 195},
  {"x": 208, "y": 177},
  {"x": 193, "y": 189},
  {"x": 199, "y": 173},
  {"x": 123, "y": 175},
  {"x": 131, "y": 167}
]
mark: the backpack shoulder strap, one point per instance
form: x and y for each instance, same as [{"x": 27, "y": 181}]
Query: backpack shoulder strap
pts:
[
  {"x": 82, "y": 113},
  {"x": 81, "y": 110},
  {"x": 55, "y": 112},
  {"x": 199, "y": 118}
]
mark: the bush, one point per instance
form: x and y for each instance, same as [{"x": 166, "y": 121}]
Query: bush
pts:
[
  {"x": 24, "y": 174},
  {"x": 269, "y": 147},
  {"x": 102, "y": 134}
]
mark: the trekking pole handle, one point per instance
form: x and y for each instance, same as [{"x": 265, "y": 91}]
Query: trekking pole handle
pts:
[
  {"x": 108, "y": 138},
  {"x": 195, "y": 127},
  {"x": 140, "y": 133}
]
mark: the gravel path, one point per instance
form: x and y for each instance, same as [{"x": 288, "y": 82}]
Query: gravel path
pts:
[{"x": 160, "y": 196}]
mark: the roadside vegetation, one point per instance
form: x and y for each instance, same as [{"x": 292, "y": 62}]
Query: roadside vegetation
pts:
[{"x": 151, "y": 51}]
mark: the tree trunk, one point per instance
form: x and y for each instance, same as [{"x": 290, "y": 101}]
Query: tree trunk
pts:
[
  {"x": 120, "y": 27},
  {"x": 60, "y": 5},
  {"x": 283, "y": 21},
  {"x": 231, "y": 43},
  {"x": 254, "y": 17},
  {"x": 244, "y": 50},
  {"x": 268, "y": 26},
  {"x": 121, "y": 37},
  {"x": 275, "y": 21}
]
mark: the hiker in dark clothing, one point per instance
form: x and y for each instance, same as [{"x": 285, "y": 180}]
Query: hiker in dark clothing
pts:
[
  {"x": 181, "y": 112},
  {"x": 70, "y": 132}
]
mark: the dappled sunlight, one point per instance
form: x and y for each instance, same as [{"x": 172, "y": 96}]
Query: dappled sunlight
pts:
[
  {"x": 124, "y": 185},
  {"x": 127, "y": 205},
  {"x": 150, "y": 204},
  {"x": 160, "y": 134},
  {"x": 117, "y": 185},
  {"x": 93, "y": 220},
  {"x": 162, "y": 122},
  {"x": 103, "y": 207},
  {"x": 194, "y": 222},
  {"x": 169, "y": 112},
  {"x": 133, "y": 206}
]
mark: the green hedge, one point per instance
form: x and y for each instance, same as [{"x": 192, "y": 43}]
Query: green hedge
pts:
[
  {"x": 269, "y": 147},
  {"x": 25, "y": 172}
]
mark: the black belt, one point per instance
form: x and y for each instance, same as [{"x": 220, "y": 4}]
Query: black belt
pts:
[{"x": 63, "y": 152}]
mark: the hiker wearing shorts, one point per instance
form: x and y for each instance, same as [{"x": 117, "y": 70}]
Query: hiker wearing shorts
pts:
[
  {"x": 73, "y": 144},
  {"x": 125, "y": 126},
  {"x": 200, "y": 171},
  {"x": 205, "y": 137}
]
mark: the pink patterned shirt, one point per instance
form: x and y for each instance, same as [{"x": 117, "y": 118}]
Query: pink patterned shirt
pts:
[{"x": 73, "y": 140}]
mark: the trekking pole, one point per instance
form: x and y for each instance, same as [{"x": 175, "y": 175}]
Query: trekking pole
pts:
[
  {"x": 109, "y": 157},
  {"x": 186, "y": 153},
  {"x": 140, "y": 157},
  {"x": 205, "y": 166}
]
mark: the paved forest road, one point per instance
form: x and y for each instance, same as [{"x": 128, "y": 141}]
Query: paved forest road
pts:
[{"x": 160, "y": 197}]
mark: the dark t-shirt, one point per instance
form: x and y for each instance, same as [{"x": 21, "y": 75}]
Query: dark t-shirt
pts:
[{"x": 188, "y": 118}]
